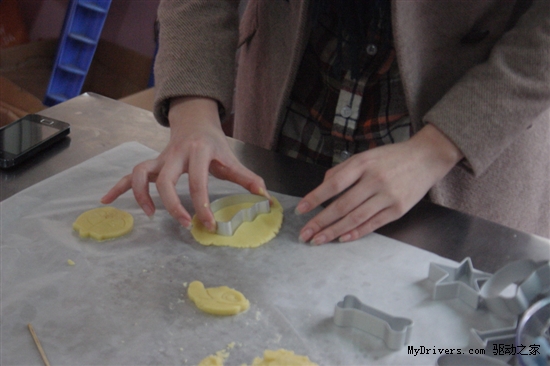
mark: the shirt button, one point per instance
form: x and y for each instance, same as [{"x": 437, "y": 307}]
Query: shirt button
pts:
[
  {"x": 344, "y": 155},
  {"x": 372, "y": 49},
  {"x": 346, "y": 112}
]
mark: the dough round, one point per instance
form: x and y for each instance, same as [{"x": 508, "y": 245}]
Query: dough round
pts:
[
  {"x": 282, "y": 357},
  {"x": 217, "y": 300},
  {"x": 250, "y": 234},
  {"x": 104, "y": 223}
]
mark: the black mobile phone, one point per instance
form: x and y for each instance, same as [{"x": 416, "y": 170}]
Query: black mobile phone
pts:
[{"x": 27, "y": 136}]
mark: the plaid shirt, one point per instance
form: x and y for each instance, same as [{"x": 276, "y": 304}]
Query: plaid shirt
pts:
[{"x": 331, "y": 115}]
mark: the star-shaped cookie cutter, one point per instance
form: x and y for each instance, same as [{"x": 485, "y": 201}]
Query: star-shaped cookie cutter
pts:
[
  {"x": 461, "y": 282},
  {"x": 227, "y": 228}
]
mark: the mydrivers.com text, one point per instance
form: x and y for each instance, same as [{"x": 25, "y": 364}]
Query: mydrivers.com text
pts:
[
  {"x": 497, "y": 350},
  {"x": 422, "y": 350}
]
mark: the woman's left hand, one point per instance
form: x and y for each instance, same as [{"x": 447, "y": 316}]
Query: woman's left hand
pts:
[{"x": 378, "y": 185}]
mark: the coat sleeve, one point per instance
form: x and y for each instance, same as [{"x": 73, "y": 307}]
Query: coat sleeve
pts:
[
  {"x": 196, "y": 54},
  {"x": 494, "y": 102}
]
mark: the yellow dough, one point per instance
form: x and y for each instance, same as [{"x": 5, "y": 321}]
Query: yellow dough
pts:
[
  {"x": 282, "y": 357},
  {"x": 250, "y": 234},
  {"x": 104, "y": 223},
  {"x": 211, "y": 360},
  {"x": 217, "y": 300},
  {"x": 215, "y": 360}
]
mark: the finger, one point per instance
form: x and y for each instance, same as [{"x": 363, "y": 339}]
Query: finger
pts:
[
  {"x": 198, "y": 188},
  {"x": 239, "y": 174},
  {"x": 334, "y": 212},
  {"x": 141, "y": 176},
  {"x": 375, "y": 222},
  {"x": 166, "y": 186},
  {"x": 121, "y": 187},
  {"x": 333, "y": 185},
  {"x": 353, "y": 220}
]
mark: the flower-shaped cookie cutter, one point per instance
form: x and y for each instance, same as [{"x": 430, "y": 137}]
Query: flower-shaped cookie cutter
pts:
[{"x": 259, "y": 206}]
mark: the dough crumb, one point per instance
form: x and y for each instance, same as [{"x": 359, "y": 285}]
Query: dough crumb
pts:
[
  {"x": 217, "y": 300},
  {"x": 282, "y": 357},
  {"x": 70, "y": 262},
  {"x": 215, "y": 360}
]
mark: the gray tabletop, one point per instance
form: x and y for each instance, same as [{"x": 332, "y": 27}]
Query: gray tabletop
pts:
[{"x": 99, "y": 124}]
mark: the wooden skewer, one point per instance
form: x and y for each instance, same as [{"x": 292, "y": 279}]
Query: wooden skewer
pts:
[{"x": 38, "y": 345}]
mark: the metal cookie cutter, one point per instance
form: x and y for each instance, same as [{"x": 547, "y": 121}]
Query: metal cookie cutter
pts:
[
  {"x": 395, "y": 331},
  {"x": 533, "y": 335},
  {"x": 471, "y": 360},
  {"x": 460, "y": 282},
  {"x": 527, "y": 279},
  {"x": 489, "y": 340},
  {"x": 228, "y": 228}
]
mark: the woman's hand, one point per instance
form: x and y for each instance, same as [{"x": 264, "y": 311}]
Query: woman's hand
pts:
[
  {"x": 378, "y": 186},
  {"x": 197, "y": 146}
]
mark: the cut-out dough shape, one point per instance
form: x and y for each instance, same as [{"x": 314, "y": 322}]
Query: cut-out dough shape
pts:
[
  {"x": 282, "y": 357},
  {"x": 103, "y": 223},
  {"x": 249, "y": 234},
  {"x": 217, "y": 300}
]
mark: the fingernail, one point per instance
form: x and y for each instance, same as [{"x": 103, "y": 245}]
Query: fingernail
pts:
[
  {"x": 319, "y": 239},
  {"x": 301, "y": 208},
  {"x": 148, "y": 210},
  {"x": 344, "y": 238},
  {"x": 185, "y": 223},
  {"x": 261, "y": 192},
  {"x": 304, "y": 237},
  {"x": 210, "y": 226}
]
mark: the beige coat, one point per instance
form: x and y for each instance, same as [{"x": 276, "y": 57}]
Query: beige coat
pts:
[{"x": 470, "y": 67}]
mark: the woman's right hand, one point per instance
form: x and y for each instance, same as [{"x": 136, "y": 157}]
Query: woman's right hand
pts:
[{"x": 197, "y": 146}]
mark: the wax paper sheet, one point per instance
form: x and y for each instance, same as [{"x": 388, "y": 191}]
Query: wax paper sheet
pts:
[{"x": 124, "y": 301}]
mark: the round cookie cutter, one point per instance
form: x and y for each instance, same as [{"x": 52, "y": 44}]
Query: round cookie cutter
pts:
[
  {"x": 533, "y": 335},
  {"x": 527, "y": 279}
]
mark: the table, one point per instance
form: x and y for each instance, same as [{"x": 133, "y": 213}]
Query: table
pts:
[{"x": 99, "y": 124}]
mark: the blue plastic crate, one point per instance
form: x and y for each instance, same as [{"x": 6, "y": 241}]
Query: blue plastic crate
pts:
[{"x": 82, "y": 28}]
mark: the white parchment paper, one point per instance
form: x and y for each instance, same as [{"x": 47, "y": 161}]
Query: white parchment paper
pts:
[{"x": 124, "y": 301}]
